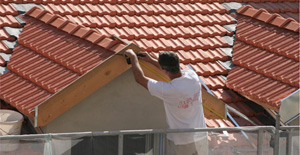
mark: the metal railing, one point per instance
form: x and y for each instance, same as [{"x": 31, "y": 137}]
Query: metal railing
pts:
[{"x": 259, "y": 145}]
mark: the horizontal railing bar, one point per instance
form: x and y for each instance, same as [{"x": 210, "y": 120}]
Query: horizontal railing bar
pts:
[
  {"x": 289, "y": 127},
  {"x": 151, "y": 131},
  {"x": 128, "y": 132}
]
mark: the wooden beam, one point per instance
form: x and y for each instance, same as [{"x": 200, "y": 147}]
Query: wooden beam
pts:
[
  {"x": 213, "y": 107},
  {"x": 81, "y": 88}
]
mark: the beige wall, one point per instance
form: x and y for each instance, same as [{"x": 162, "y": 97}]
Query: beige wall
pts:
[{"x": 122, "y": 104}]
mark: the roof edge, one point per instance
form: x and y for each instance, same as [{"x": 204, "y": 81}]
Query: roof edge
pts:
[
  {"x": 273, "y": 19},
  {"x": 93, "y": 36}
]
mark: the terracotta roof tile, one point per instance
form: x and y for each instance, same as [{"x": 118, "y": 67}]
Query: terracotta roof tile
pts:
[
  {"x": 7, "y": 9},
  {"x": 32, "y": 1},
  {"x": 12, "y": 1},
  {"x": 210, "y": 68},
  {"x": 4, "y": 48},
  {"x": 5, "y": 36},
  {"x": 70, "y": 28},
  {"x": 2, "y": 61},
  {"x": 227, "y": 95},
  {"x": 95, "y": 1},
  {"x": 215, "y": 123},
  {"x": 293, "y": 26},
  {"x": 214, "y": 82},
  {"x": 9, "y": 20},
  {"x": 200, "y": 55}
]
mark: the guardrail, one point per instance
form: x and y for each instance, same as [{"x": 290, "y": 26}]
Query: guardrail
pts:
[
  {"x": 264, "y": 140},
  {"x": 158, "y": 143}
]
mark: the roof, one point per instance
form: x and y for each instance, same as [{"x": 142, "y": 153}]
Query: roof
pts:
[
  {"x": 40, "y": 66},
  {"x": 266, "y": 52},
  {"x": 178, "y": 28}
]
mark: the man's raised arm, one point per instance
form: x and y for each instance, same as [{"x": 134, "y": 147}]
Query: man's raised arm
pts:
[{"x": 136, "y": 69}]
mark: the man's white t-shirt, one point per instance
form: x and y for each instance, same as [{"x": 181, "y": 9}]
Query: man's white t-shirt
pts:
[{"x": 183, "y": 105}]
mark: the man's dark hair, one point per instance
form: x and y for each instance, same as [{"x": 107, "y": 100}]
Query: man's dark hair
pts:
[{"x": 169, "y": 61}]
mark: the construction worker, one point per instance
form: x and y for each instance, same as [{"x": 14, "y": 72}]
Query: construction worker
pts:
[{"x": 182, "y": 101}]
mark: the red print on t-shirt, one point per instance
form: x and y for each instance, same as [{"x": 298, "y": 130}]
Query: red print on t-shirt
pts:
[{"x": 188, "y": 101}]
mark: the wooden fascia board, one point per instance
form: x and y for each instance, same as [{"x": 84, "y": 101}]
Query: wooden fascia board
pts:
[
  {"x": 212, "y": 106},
  {"x": 81, "y": 88},
  {"x": 265, "y": 105}
]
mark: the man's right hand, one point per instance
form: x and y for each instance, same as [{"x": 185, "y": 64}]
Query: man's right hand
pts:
[{"x": 146, "y": 56}]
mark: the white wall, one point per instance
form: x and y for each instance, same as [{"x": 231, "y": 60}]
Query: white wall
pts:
[{"x": 122, "y": 104}]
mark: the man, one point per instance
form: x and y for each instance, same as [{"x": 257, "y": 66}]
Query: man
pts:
[{"x": 182, "y": 101}]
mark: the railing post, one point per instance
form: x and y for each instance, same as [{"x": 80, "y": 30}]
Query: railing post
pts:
[
  {"x": 276, "y": 138},
  {"x": 120, "y": 144},
  {"x": 159, "y": 144},
  {"x": 149, "y": 142},
  {"x": 164, "y": 143},
  {"x": 289, "y": 144},
  {"x": 48, "y": 149},
  {"x": 260, "y": 142}
]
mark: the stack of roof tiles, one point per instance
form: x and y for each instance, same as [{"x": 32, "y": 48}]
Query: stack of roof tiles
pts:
[{"x": 266, "y": 53}]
